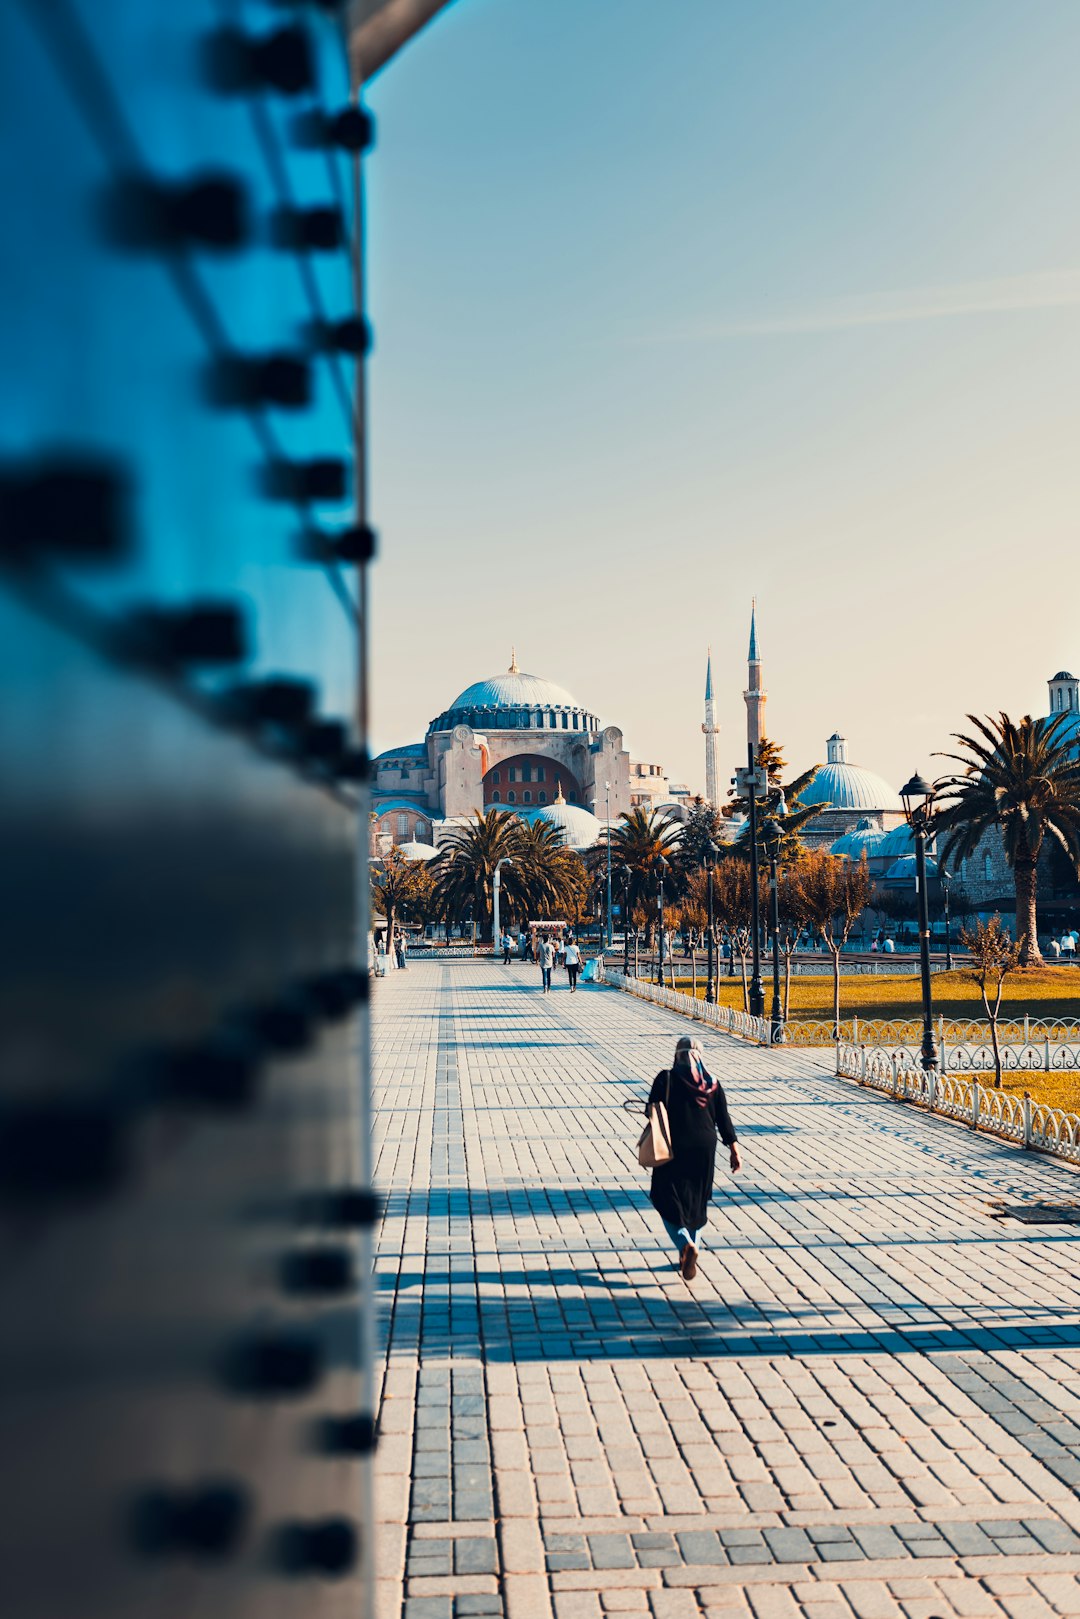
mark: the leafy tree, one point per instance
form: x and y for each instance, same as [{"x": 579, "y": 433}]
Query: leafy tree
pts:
[
  {"x": 401, "y": 890},
  {"x": 1022, "y": 782},
  {"x": 464, "y": 868},
  {"x": 647, "y": 843},
  {"x": 704, "y": 827},
  {"x": 832, "y": 894},
  {"x": 733, "y": 908},
  {"x": 993, "y": 956},
  {"x": 795, "y": 814}
]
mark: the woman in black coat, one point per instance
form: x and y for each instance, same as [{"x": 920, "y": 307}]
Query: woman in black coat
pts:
[{"x": 697, "y": 1111}]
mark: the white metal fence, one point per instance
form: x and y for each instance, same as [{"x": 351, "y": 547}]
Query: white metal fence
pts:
[{"x": 718, "y": 1017}]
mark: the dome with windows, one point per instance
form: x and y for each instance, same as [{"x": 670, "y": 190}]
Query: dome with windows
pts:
[
  {"x": 842, "y": 786},
  {"x": 580, "y": 827},
  {"x": 865, "y": 839},
  {"x": 515, "y": 701}
]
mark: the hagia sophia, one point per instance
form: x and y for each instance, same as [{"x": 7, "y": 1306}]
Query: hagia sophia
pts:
[{"x": 520, "y": 742}]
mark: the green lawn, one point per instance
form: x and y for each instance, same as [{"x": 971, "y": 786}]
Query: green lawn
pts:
[{"x": 1043, "y": 992}]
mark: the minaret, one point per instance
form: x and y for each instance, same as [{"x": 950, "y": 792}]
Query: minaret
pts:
[
  {"x": 712, "y": 731},
  {"x": 754, "y": 695}
]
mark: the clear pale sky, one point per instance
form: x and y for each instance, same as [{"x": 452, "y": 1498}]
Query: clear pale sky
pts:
[{"x": 679, "y": 304}]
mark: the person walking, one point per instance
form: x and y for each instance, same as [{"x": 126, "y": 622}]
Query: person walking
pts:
[
  {"x": 507, "y": 946},
  {"x": 401, "y": 947},
  {"x": 547, "y": 961},
  {"x": 573, "y": 964},
  {"x": 697, "y": 1110}
]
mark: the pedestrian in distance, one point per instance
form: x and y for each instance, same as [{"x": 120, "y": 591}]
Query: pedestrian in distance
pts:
[
  {"x": 507, "y": 946},
  {"x": 573, "y": 964},
  {"x": 697, "y": 1111},
  {"x": 401, "y": 950},
  {"x": 547, "y": 961}
]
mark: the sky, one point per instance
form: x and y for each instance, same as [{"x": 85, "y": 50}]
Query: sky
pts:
[{"x": 675, "y": 306}]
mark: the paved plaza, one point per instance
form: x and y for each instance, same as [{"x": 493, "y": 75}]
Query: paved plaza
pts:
[{"x": 867, "y": 1403}]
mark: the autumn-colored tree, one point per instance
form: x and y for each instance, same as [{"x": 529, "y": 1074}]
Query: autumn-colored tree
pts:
[
  {"x": 733, "y": 908},
  {"x": 993, "y": 956},
  {"x": 401, "y": 890},
  {"x": 1021, "y": 782},
  {"x": 832, "y": 894}
]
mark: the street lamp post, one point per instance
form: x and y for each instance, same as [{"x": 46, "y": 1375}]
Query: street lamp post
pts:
[
  {"x": 609, "y": 940},
  {"x": 945, "y": 878},
  {"x": 773, "y": 836},
  {"x": 660, "y": 936},
  {"x": 918, "y": 799},
  {"x": 496, "y": 891},
  {"x": 624, "y": 877},
  {"x": 757, "y": 994},
  {"x": 710, "y": 982}
]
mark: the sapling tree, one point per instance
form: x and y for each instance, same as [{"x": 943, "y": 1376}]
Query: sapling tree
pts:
[{"x": 994, "y": 955}]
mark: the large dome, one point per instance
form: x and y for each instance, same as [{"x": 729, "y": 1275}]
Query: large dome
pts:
[
  {"x": 515, "y": 701},
  {"x": 841, "y": 786},
  {"x": 514, "y": 691}
]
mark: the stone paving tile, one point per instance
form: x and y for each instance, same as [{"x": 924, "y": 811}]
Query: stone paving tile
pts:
[{"x": 868, "y": 1377}]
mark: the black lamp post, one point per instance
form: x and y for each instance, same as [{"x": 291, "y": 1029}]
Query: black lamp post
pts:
[
  {"x": 660, "y": 917},
  {"x": 624, "y": 878},
  {"x": 710, "y": 983},
  {"x": 918, "y": 800},
  {"x": 774, "y": 833},
  {"x": 757, "y": 994},
  {"x": 945, "y": 878}
]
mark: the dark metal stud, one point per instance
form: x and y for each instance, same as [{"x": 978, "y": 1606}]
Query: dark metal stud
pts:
[
  {"x": 355, "y": 765},
  {"x": 272, "y": 1365},
  {"x": 208, "y": 632},
  {"x": 350, "y": 336},
  {"x": 279, "y": 701},
  {"x": 285, "y": 1025},
  {"x": 223, "y": 1073},
  {"x": 329, "y": 1547},
  {"x": 323, "y": 742},
  {"x": 324, "y": 479},
  {"x": 236, "y": 63},
  {"x": 308, "y": 230},
  {"x": 239, "y": 382},
  {"x": 316, "y": 1271},
  {"x": 155, "y": 215},
  {"x": 66, "y": 506},
  {"x": 60, "y": 1149},
  {"x": 349, "y": 1208},
  {"x": 350, "y": 130},
  {"x": 207, "y": 1522},
  {"x": 355, "y": 545},
  {"x": 336, "y": 993},
  {"x": 354, "y": 1435}
]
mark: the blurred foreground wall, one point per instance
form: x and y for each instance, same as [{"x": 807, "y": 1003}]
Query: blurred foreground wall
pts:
[{"x": 184, "y": 1385}]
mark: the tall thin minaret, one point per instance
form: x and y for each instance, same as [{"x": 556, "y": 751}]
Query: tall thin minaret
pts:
[
  {"x": 754, "y": 695},
  {"x": 712, "y": 731}
]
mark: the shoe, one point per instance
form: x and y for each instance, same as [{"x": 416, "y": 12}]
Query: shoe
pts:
[{"x": 688, "y": 1262}]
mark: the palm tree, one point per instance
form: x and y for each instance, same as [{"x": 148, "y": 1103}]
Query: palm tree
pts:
[
  {"x": 545, "y": 870},
  {"x": 1022, "y": 782},
  {"x": 464, "y": 867},
  {"x": 648, "y": 844}
]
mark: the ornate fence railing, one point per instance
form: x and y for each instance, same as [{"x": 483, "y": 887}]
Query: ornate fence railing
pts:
[
  {"x": 1014, "y": 1118},
  {"x": 727, "y": 1018},
  {"x": 1046, "y": 1034}
]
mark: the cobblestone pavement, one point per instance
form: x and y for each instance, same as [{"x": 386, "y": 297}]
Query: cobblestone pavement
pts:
[{"x": 867, "y": 1403}]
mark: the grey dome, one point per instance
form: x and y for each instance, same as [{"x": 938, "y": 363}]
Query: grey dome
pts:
[
  {"x": 864, "y": 839},
  {"x": 514, "y": 691},
  {"x": 899, "y": 841},
  {"x": 842, "y": 786},
  {"x": 580, "y": 827},
  {"x": 904, "y": 869},
  {"x": 514, "y": 702}
]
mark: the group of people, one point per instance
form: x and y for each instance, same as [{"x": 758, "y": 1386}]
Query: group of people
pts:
[
  {"x": 1065, "y": 948},
  {"x": 399, "y": 949},
  {"x": 548, "y": 951}
]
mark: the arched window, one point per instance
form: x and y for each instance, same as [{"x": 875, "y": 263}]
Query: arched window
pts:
[
  {"x": 963, "y": 871},
  {"x": 511, "y": 798},
  {"x": 566, "y": 722},
  {"x": 403, "y": 825},
  {"x": 421, "y": 831},
  {"x": 987, "y": 868},
  {"x": 541, "y": 773},
  {"x": 541, "y": 798},
  {"x": 496, "y": 798},
  {"x": 495, "y": 777},
  {"x": 526, "y": 798}
]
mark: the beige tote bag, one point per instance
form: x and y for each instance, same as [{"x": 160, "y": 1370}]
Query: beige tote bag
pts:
[{"x": 654, "y": 1143}]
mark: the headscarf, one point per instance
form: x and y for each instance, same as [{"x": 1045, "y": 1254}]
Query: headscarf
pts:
[{"x": 690, "y": 1068}]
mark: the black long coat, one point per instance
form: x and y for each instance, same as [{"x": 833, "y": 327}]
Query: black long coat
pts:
[{"x": 681, "y": 1189}]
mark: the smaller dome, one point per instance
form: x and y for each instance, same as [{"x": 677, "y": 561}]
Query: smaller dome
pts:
[
  {"x": 580, "y": 827},
  {"x": 1063, "y": 674},
  {"x": 411, "y": 750},
  {"x": 864, "y": 839},
  {"x": 417, "y": 851},
  {"x": 904, "y": 869},
  {"x": 899, "y": 841}
]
